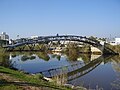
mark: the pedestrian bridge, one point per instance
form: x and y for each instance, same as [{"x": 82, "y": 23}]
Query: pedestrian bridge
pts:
[{"x": 47, "y": 39}]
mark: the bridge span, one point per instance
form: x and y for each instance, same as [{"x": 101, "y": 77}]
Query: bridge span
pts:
[{"x": 47, "y": 39}]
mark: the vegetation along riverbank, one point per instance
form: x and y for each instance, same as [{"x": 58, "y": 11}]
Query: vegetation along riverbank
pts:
[{"x": 17, "y": 80}]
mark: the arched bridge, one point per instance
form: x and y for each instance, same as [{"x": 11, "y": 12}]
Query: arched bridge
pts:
[{"x": 46, "y": 39}]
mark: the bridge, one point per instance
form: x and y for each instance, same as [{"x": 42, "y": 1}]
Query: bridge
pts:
[{"x": 48, "y": 39}]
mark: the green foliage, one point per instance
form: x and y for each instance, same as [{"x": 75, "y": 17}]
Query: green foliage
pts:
[
  {"x": 32, "y": 57},
  {"x": 4, "y": 60},
  {"x": 1, "y": 49},
  {"x": 58, "y": 57},
  {"x": 85, "y": 57},
  {"x": 3, "y": 42},
  {"x": 72, "y": 51},
  {"x": 43, "y": 55},
  {"x": 103, "y": 39},
  {"x": 85, "y": 49},
  {"x": 39, "y": 76},
  {"x": 93, "y": 38},
  {"x": 24, "y": 57},
  {"x": 10, "y": 87}
]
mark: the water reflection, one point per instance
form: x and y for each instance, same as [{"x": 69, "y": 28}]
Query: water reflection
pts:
[
  {"x": 4, "y": 60},
  {"x": 74, "y": 71},
  {"x": 57, "y": 56},
  {"x": 116, "y": 66},
  {"x": 43, "y": 55},
  {"x": 63, "y": 68}
]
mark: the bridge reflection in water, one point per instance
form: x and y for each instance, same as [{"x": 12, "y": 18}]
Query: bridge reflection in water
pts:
[{"x": 64, "y": 74}]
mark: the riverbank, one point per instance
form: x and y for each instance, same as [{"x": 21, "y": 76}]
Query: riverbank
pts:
[{"x": 17, "y": 80}]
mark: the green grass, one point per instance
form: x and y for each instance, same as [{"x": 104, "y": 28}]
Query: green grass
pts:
[
  {"x": 1, "y": 49},
  {"x": 10, "y": 87},
  {"x": 33, "y": 80}
]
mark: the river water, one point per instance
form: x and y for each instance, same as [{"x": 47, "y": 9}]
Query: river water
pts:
[{"x": 90, "y": 71}]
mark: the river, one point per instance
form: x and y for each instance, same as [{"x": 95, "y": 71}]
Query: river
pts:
[{"x": 90, "y": 71}]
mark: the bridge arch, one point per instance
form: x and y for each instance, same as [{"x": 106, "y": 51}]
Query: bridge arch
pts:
[{"x": 47, "y": 39}]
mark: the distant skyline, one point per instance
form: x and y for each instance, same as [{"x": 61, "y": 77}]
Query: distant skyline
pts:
[{"x": 27, "y": 18}]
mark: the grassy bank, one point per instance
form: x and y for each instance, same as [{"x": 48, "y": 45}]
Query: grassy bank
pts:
[{"x": 16, "y": 80}]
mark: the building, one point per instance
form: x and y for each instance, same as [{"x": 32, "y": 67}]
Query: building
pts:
[
  {"x": 4, "y": 36},
  {"x": 115, "y": 41},
  {"x": 4, "y": 39}
]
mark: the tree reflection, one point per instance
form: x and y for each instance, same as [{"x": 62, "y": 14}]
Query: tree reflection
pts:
[
  {"x": 4, "y": 60},
  {"x": 85, "y": 57},
  {"x": 15, "y": 54},
  {"x": 31, "y": 55},
  {"x": 25, "y": 57},
  {"x": 72, "y": 51},
  {"x": 58, "y": 57},
  {"x": 43, "y": 55}
]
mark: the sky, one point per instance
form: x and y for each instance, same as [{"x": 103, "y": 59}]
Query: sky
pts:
[{"x": 27, "y": 18}]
